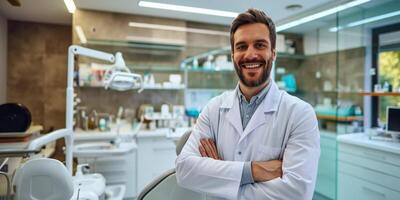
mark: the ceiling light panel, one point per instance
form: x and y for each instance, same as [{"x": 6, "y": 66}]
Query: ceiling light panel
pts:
[
  {"x": 188, "y": 9},
  {"x": 321, "y": 14},
  {"x": 70, "y": 5}
]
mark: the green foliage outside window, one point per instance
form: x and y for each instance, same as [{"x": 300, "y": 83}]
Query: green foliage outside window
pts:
[{"x": 389, "y": 70}]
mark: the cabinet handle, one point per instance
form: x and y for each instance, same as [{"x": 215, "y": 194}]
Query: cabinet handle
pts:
[{"x": 373, "y": 192}]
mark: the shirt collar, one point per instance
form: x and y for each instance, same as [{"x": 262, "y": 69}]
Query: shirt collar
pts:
[
  {"x": 257, "y": 98},
  {"x": 269, "y": 104}
]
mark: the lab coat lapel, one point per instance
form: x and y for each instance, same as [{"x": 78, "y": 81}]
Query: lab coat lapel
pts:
[
  {"x": 268, "y": 105},
  {"x": 231, "y": 103}
]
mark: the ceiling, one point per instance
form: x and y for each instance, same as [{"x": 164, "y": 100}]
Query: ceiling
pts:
[{"x": 54, "y": 11}]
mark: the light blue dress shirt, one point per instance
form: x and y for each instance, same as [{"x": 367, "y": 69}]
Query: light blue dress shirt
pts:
[{"x": 247, "y": 110}]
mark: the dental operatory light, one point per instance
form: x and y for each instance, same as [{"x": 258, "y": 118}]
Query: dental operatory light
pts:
[
  {"x": 188, "y": 9},
  {"x": 70, "y": 5},
  {"x": 120, "y": 78},
  {"x": 365, "y": 21},
  {"x": 320, "y": 14},
  {"x": 293, "y": 7}
]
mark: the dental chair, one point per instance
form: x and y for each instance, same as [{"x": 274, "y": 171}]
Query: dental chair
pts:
[
  {"x": 51, "y": 182},
  {"x": 165, "y": 187}
]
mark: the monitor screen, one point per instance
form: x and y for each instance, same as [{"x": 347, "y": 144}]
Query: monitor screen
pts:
[{"x": 393, "y": 119}]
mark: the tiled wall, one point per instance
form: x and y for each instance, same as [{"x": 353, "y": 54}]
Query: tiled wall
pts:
[
  {"x": 37, "y": 69},
  {"x": 114, "y": 27},
  {"x": 346, "y": 66}
]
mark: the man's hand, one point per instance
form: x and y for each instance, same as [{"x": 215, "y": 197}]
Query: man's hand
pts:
[
  {"x": 266, "y": 170},
  {"x": 207, "y": 148},
  {"x": 261, "y": 170}
]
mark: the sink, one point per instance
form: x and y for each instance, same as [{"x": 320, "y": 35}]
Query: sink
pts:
[
  {"x": 115, "y": 192},
  {"x": 90, "y": 186},
  {"x": 101, "y": 149}
]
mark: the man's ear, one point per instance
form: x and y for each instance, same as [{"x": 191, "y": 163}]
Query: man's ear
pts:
[{"x": 273, "y": 54}]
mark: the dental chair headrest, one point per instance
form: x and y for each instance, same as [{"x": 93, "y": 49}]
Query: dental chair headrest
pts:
[
  {"x": 43, "y": 178},
  {"x": 182, "y": 141}
]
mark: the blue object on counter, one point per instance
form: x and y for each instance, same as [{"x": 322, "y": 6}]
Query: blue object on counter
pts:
[
  {"x": 192, "y": 112},
  {"x": 334, "y": 111},
  {"x": 290, "y": 82}
]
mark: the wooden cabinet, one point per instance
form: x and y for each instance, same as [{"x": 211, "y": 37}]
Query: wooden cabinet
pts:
[{"x": 368, "y": 169}]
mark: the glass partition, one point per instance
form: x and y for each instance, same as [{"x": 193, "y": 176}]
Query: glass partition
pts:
[{"x": 350, "y": 74}]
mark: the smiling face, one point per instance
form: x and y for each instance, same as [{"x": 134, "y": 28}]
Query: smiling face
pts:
[{"x": 252, "y": 54}]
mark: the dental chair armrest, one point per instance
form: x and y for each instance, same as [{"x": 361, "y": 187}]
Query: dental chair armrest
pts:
[
  {"x": 50, "y": 137},
  {"x": 53, "y": 136}
]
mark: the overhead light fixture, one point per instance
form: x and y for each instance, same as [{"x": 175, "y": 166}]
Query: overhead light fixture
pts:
[
  {"x": 188, "y": 9},
  {"x": 81, "y": 34},
  {"x": 320, "y": 14},
  {"x": 365, "y": 21},
  {"x": 177, "y": 28},
  {"x": 293, "y": 7},
  {"x": 70, "y": 5}
]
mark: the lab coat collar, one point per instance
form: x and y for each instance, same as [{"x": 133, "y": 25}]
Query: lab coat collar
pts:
[{"x": 269, "y": 104}]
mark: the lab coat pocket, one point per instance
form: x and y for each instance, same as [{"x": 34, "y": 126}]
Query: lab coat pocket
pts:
[{"x": 268, "y": 153}]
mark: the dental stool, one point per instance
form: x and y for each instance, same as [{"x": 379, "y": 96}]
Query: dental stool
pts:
[{"x": 165, "y": 187}]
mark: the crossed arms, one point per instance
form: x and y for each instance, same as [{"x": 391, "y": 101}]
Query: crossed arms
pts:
[
  {"x": 261, "y": 170},
  {"x": 199, "y": 167}
]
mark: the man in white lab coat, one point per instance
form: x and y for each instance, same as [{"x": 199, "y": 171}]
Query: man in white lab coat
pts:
[{"x": 256, "y": 142}]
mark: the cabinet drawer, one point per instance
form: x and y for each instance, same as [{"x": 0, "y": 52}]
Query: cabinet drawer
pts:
[
  {"x": 352, "y": 188},
  {"x": 371, "y": 176},
  {"x": 155, "y": 142},
  {"x": 372, "y": 154},
  {"x": 370, "y": 164}
]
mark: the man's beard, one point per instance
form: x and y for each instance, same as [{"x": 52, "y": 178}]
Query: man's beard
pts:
[{"x": 266, "y": 71}]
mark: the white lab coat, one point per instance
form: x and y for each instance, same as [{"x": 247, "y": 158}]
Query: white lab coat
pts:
[{"x": 283, "y": 127}]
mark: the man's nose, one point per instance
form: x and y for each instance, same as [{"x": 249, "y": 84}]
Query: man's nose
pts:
[{"x": 251, "y": 53}]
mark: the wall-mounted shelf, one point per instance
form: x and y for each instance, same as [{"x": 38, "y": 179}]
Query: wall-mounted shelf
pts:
[
  {"x": 209, "y": 89},
  {"x": 145, "y": 87},
  {"x": 379, "y": 93},
  {"x": 291, "y": 56},
  {"x": 340, "y": 119},
  {"x": 227, "y": 51},
  {"x": 136, "y": 44},
  {"x": 165, "y": 69},
  {"x": 210, "y": 70}
]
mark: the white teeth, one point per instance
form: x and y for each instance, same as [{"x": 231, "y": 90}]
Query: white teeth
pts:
[{"x": 252, "y": 65}]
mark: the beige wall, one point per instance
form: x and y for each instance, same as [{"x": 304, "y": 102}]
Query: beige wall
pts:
[
  {"x": 3, "y": 59},
  {"x": 37, "y": 70}
]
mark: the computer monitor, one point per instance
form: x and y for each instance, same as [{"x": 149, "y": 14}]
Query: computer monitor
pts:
[{"x": 393, "y": 119}]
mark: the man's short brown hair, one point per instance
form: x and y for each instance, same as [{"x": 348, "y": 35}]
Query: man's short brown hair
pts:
[{"x": 252, "y": 16}]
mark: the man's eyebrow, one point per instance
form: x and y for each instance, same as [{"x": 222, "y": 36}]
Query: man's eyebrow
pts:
[
  {"x": 240, "y": 43},
  {"x": 262, "y": 40}
]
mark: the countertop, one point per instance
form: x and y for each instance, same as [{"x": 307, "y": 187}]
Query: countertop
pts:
[
  {"x": 125, "y": 130},
  {"x": 169, "y": 133},
  {"x": 362, "y": 139}
]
